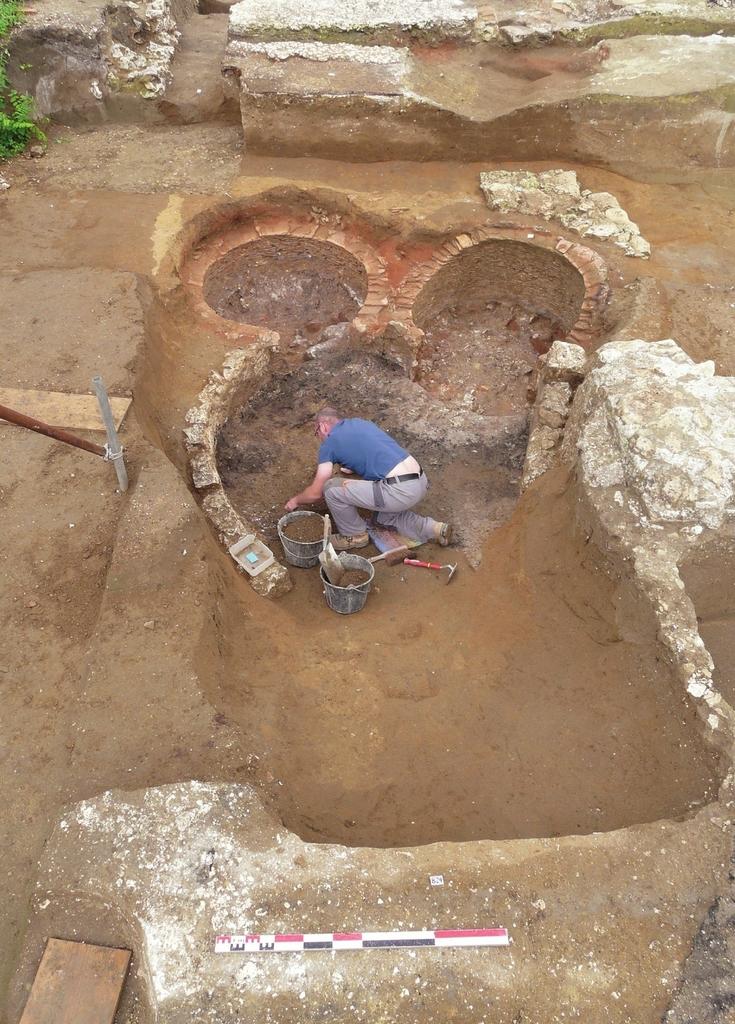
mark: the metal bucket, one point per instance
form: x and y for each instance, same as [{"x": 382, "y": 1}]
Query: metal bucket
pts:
[
  {"x": 347, "y": 600},
  {"x": 305, "y": 554}
]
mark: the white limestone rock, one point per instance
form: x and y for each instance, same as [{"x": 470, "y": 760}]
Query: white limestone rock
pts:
[
  {"x": 527, "y": 35},
  {"x": 275, "y": 581},
  {"x": 322, "y": 52},
  {"x": 557, "y": 195},
  {"x": 146, "y": 65},
  {"x": 283, "y": 19},
  {"x": 565, "y": 362},
  {"x": 650, "y": 420},
  {"x": 554, "y": 404}
]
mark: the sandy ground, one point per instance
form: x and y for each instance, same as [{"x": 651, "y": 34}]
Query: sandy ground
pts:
[
  {"x": 498, "y": 706},
  {"x": 130, "y": 656}
]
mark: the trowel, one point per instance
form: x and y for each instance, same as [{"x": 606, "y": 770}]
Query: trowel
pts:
[{"x": 328, "y": 557}]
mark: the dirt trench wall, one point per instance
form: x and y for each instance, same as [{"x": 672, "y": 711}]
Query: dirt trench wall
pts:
[
  {"x": 89, "y": 64},
  {"x": 638, "y": 138}
]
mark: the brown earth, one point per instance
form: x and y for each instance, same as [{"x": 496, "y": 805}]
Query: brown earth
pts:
[
  {"x": 500, "y": 706},
  {"x": 130, "y": 655},
  {"x": 353, "y": 578},
  {"x": 294, "y": 286},
  {"x": 483, "y": 359},
  {"x": 306, "y": 530}
]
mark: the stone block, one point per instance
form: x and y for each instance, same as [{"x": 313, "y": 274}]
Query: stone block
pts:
[
  {"x": 541, "y": 453},
  {"x": 369, "y": 21},
  {"x": 273, "y": 582},
  {"x": 400, "y": 344},
  {"x": 204, "y": 471},
  {"x": 526, "y": 35},
  {"x": 195, "y": 436},
  {"x": 553, "y": 406},
  {"x": 565, "y": 362},
  {"x": 669, "y": 424},
  {"x": 223, "y": 517}
]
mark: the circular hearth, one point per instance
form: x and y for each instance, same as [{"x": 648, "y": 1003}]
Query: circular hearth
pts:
[
  {"x": 530, "y": 277},
  {"x": 287, "y": 283}
]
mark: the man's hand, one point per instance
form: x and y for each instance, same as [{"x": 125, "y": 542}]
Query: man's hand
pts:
[{"x": 315, "y": 490}]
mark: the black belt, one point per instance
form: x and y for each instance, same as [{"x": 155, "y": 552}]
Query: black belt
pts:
[{"x": 402, "y": 478}]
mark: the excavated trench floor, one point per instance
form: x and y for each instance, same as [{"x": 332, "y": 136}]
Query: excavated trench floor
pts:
[
  {"x": 494, "y": 707},
  {"x": 504, "y": 705}
]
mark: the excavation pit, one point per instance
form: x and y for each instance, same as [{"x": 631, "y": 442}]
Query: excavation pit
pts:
[
  {"x": 378, "y": 733},
  {"x": 480, "y": 322},
  {"x": 296, "y": 286},
  {"x": 511, "y": 705},
  {"x": 508, "y": 705}
]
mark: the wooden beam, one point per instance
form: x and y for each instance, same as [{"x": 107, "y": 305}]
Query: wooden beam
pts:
[{"x": 80, "y": 412}]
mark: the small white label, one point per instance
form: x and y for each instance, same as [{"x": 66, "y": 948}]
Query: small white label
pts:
[{"x": 436, "y": 879}]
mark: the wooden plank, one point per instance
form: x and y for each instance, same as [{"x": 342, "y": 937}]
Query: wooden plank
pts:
[
  {"x": 59, "y": 409},
  {"x": 76, "y": 983}
]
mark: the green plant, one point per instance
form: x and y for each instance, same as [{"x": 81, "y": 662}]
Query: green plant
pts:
[
  {"x": 10, "y": 14},
  {"x": 17, "y": 127}
]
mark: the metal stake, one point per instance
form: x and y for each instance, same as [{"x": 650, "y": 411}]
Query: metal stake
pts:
[{"x": 114, "y": 450}]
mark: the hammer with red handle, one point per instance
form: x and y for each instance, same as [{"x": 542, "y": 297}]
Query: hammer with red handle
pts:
[{"x": 431, "y": 565}]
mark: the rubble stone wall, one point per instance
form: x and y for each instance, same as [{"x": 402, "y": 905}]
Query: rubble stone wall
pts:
[
  {"x": 649, "y": 436},
  {"x": 204, "y": 420}
]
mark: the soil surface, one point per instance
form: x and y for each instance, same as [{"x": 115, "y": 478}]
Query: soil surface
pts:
[
  {"x": 289, "y": 285},
  {"x": 305, "y": 529},
  {"x": 353, "y": 578},
  {"x": 267, "y": 451},
  {"x": 482, "y": 359}
]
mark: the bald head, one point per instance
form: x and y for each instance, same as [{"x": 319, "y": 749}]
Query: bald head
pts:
[
  {"x": 324, "y": 420},
  {"x": 327, "y": 415}
]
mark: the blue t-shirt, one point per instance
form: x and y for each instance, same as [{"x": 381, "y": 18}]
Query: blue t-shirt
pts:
[{"x": 362, "y": 447}]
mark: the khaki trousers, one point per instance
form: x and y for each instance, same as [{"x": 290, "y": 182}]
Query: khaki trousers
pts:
[{"x": 391, "y": 502}]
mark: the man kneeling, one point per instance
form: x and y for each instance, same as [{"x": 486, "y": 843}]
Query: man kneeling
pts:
[{"x": 392, "y": 483}]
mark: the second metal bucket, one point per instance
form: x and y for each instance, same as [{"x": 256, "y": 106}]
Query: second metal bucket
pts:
[{"x": 347, "y": 600}]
